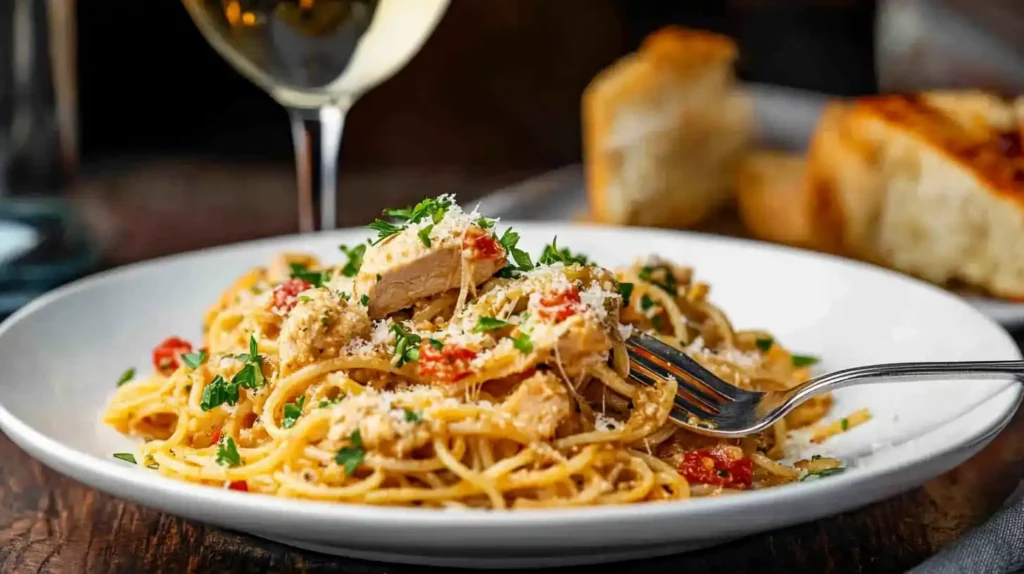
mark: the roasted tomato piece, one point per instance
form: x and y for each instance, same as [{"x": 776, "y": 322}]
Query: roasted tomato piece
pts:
[
  {"x": 560, "y": 304},
  {"x": 479, "y": 244},
  {"x": 719, "y": 466},
  {"x": 239, "y": 485},
  {"x": 446, "y": 364},
  {"x": 286, "y": 295},
  {"x": 167, "y": 355}
]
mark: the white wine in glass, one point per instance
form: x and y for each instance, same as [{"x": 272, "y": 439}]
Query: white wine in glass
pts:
[{"x": 316, "y": 57}]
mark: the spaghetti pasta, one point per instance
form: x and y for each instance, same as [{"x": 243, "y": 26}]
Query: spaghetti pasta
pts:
[{"x": 508, "y": 390}]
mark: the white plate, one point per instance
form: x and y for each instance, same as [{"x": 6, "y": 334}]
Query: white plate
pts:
[{"x": 60, "y": 357}]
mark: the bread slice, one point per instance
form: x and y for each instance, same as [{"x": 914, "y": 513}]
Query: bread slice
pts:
[
  {"x": 770, "y": 196},
  {"x": 663, "y": 131},
  {"x": 930, "y": 184}
]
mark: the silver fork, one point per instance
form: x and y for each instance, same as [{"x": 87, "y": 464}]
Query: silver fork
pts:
[{"x": 706, "y": 404}]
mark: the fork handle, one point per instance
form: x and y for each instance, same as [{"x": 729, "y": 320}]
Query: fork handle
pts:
[{"x": 911, "y": 372}]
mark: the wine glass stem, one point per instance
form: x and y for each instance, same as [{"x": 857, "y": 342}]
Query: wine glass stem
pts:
[{"x": 317, "y": 138}]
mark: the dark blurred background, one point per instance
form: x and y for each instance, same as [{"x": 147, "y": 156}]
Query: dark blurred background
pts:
[{"x": 496, "y": 87}]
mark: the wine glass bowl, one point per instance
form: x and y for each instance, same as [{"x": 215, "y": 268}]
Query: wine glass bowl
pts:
[{"x": 316, "y": 57}]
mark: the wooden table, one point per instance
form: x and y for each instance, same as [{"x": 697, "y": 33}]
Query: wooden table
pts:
[{"x": 49, "y": 523}]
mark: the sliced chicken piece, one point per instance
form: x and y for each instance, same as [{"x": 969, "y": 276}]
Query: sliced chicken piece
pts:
[
  {"x": 538, "y": 405},
  {"x": 318, "y": 327},
  {"x": 403, "y": 268}
]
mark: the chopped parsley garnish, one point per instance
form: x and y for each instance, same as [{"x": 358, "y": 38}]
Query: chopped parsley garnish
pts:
[
  {"x": 303, "y": 273},
  {"x": 351, "y": 456},
  {"x": 523, "y": 343},
  {"x": 355, "y": 259},
  {"x": 424, "y": 234},
  {"x": 509, "y": 240},
  {"x": 194, "y": 360},
  {"x": 365, "y": 300},
  {"x": 227, "y": 452},
  {"x": 383, "y": 229},
  {"x": 552, "y": 254},
  {"x": 304, "y": 299},
  {"x": 804, "y": 360},
  {"x": 823, "y": 473},
  {"x": 626, "y": 290},
  {"x": 342, "y": 295},
  {"x": 433, "y": 208},
  {"x": 407, "y": 345},
  {"x": 764, "y": 343},
  {"x": 490, "y": 324},
  {"x": 251, "y": 375},
  {"x": 126, "y": 376},
  {"x": 125, "y": 456},
  {"x": 328, "y": 402},
  {"x": 413, "y": 416},
  {"x": 646, "y": 302},
  {"x": 217, "y": 393},
  {"x": 845, "y": 424},
  {"x": 485, "y": 223},
  {"x": 436, "y": 344},
  {"x": 292, "y": 412},
  {"x": 661, "y": 276}
]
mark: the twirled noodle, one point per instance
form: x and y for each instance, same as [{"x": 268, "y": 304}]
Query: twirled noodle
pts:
[{"x": 542, "y": 415}]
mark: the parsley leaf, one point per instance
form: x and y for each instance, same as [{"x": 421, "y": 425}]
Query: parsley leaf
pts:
[
  {"x": 424, "y": 234},
  {"x": 126, "y": 376},
  {"x": 485, "y": 223},
  {"x": 328, "y": 402},
  {"x": 125, "y": 456},
  {"x": 804, "y": 360},
  {"x": 413, "y": 417},
  {"x": 351, "y": 456},
  {"x": 509, "y": 240},
  {"x": 552, "y": 254},
  {"x": 626, "y": 290},
  {"x": 292, "y": 411},
  {"x": 227, "y": 452},
  {"x": 845, "y": 424},
  {"x": 314, "y": 278},
  {"x": 764, "y": 344},
  {"x": 365, "y": 300},
  {"x": 407, "y": 345},
  {"x": 823, "y": 473},
  {"x": 490, "y": 324},
  {"x": 217, "y": 393},
  {"x": 661, "y": 275},
  {"x": 646, "y": 302},
  {"x": 434, "y": 208},
  {"x": 355, "y": 259},
  {"x": 523, "y": 343},
  {"x": 436, "y": 344},
  {"x": 194, "y": 360},
  {"x": 383, "y": 229}
]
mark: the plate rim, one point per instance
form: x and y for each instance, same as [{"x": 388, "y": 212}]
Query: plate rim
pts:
[{"x": 146, "y": 487}]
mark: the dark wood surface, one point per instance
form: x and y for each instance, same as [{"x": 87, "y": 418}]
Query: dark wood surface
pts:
[{"x": 49, "y": 523}]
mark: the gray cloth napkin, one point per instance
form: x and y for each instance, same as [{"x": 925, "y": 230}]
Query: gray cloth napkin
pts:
[{"x": 996, "y": 547}]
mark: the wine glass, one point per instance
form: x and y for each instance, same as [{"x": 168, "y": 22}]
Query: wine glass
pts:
[{"x": 316, "y": 57}]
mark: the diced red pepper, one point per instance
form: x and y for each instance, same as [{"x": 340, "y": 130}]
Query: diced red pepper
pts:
[
  {"x": 560, "y": 304},
  {"x": 286, "y": 295},
  {"x": 239, "y": 485},
  {"x": 167, "y": 355},
  {"x": 448, "y": 364},
  {"x": 216, "y": 436},
  {"x": 479, "y": 244},
  {"x": 717, "y": 466}
]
